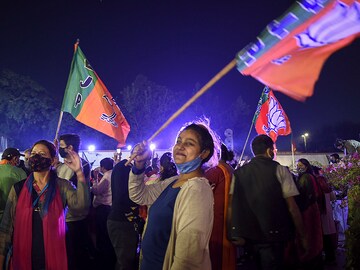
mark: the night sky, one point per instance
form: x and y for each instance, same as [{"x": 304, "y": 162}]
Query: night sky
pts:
[{"x": 174, "y": 43}]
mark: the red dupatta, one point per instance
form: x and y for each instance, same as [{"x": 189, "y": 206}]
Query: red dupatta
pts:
[{"x": 53, "y": 221}]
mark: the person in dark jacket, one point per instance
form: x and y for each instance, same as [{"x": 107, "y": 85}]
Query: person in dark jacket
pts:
[
  {"x": 262, "y": 206},
  {"x": 123, "y": 222}
]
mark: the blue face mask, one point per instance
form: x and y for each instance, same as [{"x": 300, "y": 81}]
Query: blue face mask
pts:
[{"x": 189, "y": 166}]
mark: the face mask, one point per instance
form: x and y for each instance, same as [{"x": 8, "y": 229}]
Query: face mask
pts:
[
  {"x": 189, "y": 166},
  {"x": 62, "y": 152},
  {"x": 301, "y": 170},
  {"x": 39, "y": 163}
]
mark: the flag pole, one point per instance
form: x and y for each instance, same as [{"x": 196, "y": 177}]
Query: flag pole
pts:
[
  {"x": 245, "y": 144},
  {"x": 61, "y": 112},
  {"x": 206, "y": 87},
  {"x": 58, "y": 126},
  {"x": 292, "y": 152}
]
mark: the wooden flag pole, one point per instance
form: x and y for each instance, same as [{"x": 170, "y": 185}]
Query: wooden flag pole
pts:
[
  {"x": 61, "y": 112},
  {"x": 292, "y": 152},
  {"x": 245, "y": 144},
  {"x": 206, "y": 87},
  {"x": 58, "y": 126}
]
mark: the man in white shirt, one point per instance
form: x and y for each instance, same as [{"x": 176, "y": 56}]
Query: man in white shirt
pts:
[
  {"x": 262, "y": 208},
  {"x": 348, "y": 146}
]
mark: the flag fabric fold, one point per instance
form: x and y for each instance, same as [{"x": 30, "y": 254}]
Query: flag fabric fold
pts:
[
  {"x": 270, "y": 118},
  {"x": 288, "y": 55},
  {"x": 88, "y": 100}
]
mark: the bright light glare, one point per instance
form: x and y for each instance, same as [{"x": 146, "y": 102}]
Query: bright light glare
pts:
[
  {"x": 305, "y": 135},
  {"x": 129, "y": 147},
  {"x": 118, "y": 150},
  {"x": 152, "y": 147},
  {"x": 91, "y": 148}
]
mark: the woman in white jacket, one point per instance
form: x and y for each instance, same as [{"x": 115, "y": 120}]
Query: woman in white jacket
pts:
[{"x": 181, "y": 215}]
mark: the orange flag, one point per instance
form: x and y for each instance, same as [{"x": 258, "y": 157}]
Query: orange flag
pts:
[
  {"x": 289, "y": 54},
  {"x": 89, "y": 101},
  {"x": 270, "y": 118}
]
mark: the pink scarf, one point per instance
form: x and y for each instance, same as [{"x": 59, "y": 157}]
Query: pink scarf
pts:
[{"x": 53, "y": 230}]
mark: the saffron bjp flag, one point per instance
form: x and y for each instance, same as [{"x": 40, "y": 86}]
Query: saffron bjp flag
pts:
[
  {"x": 88, "y": 100},
  {"x": 270, "y": 118},
  {"x": 288, "y": 55}
]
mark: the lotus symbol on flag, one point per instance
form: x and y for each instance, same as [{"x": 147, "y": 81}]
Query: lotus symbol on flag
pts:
[
  {"x": 340, "y": 23},
  {"x": 276, "y": 118}
]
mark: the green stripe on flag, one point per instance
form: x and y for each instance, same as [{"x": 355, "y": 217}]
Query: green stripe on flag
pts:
[
  {"x": 263, "y": 98},
  {"x": 81, "y": 82},
  {"x": 278, "y": 29}
]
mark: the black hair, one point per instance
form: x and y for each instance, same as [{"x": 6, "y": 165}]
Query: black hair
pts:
[
  {"x": 208, "y": 139},
  {"x": 49, "y": 145},
  {"x": 205, "y": 139},
  {"x": 260, "y": 144},
  {"x": 71, "y": 139},
  {"x": 225, "y": 153},
  {"x": 231, "y": 155},
  {"x": 316, "y": 170},
  {"x": 339, "y": 143},
  {"x": 169, "y": 167},
  {"x": 107, "y": 163},
  {"x": 309, "y": 168}
]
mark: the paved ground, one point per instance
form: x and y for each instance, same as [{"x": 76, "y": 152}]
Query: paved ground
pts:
[
  {"x": 248, "y": 263},
  {"x": 340, "y": 255}
]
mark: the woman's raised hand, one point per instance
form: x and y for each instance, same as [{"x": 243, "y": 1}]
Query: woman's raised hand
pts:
[
  {"x": 141, "y": 153},
  {"x": 73, "y": 161}
]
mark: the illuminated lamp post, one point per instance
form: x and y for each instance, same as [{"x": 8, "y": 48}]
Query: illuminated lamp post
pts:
[
  {"x": 304, "y": 136},
  {"x": 91, "y": 148},
  {"x": 152, "y": 148}
]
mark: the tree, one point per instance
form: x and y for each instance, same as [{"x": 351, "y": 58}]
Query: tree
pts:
[
  {"x": 146, "y": 105},
  {"x": 28, "y": 112},
  {"x": 233, "y": 113}
]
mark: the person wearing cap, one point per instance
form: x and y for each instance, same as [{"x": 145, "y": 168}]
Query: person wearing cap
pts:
[
  {"x": 11, "y": 156},
  {"x": 9, "y": 174}
]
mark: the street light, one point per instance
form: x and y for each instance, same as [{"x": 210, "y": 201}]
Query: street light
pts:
[
  {"x": 152, "y": 148},
  {"x": 304, "y": 137},
  {"x": 91, "y": 148}
]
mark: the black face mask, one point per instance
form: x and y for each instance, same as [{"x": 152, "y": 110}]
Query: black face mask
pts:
[
  {"x": 62, "y": 152},
  {"x": 39, "y": 163}
]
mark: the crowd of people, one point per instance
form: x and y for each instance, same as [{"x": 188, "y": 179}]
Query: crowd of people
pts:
[{"x": 189, "y": 209}]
